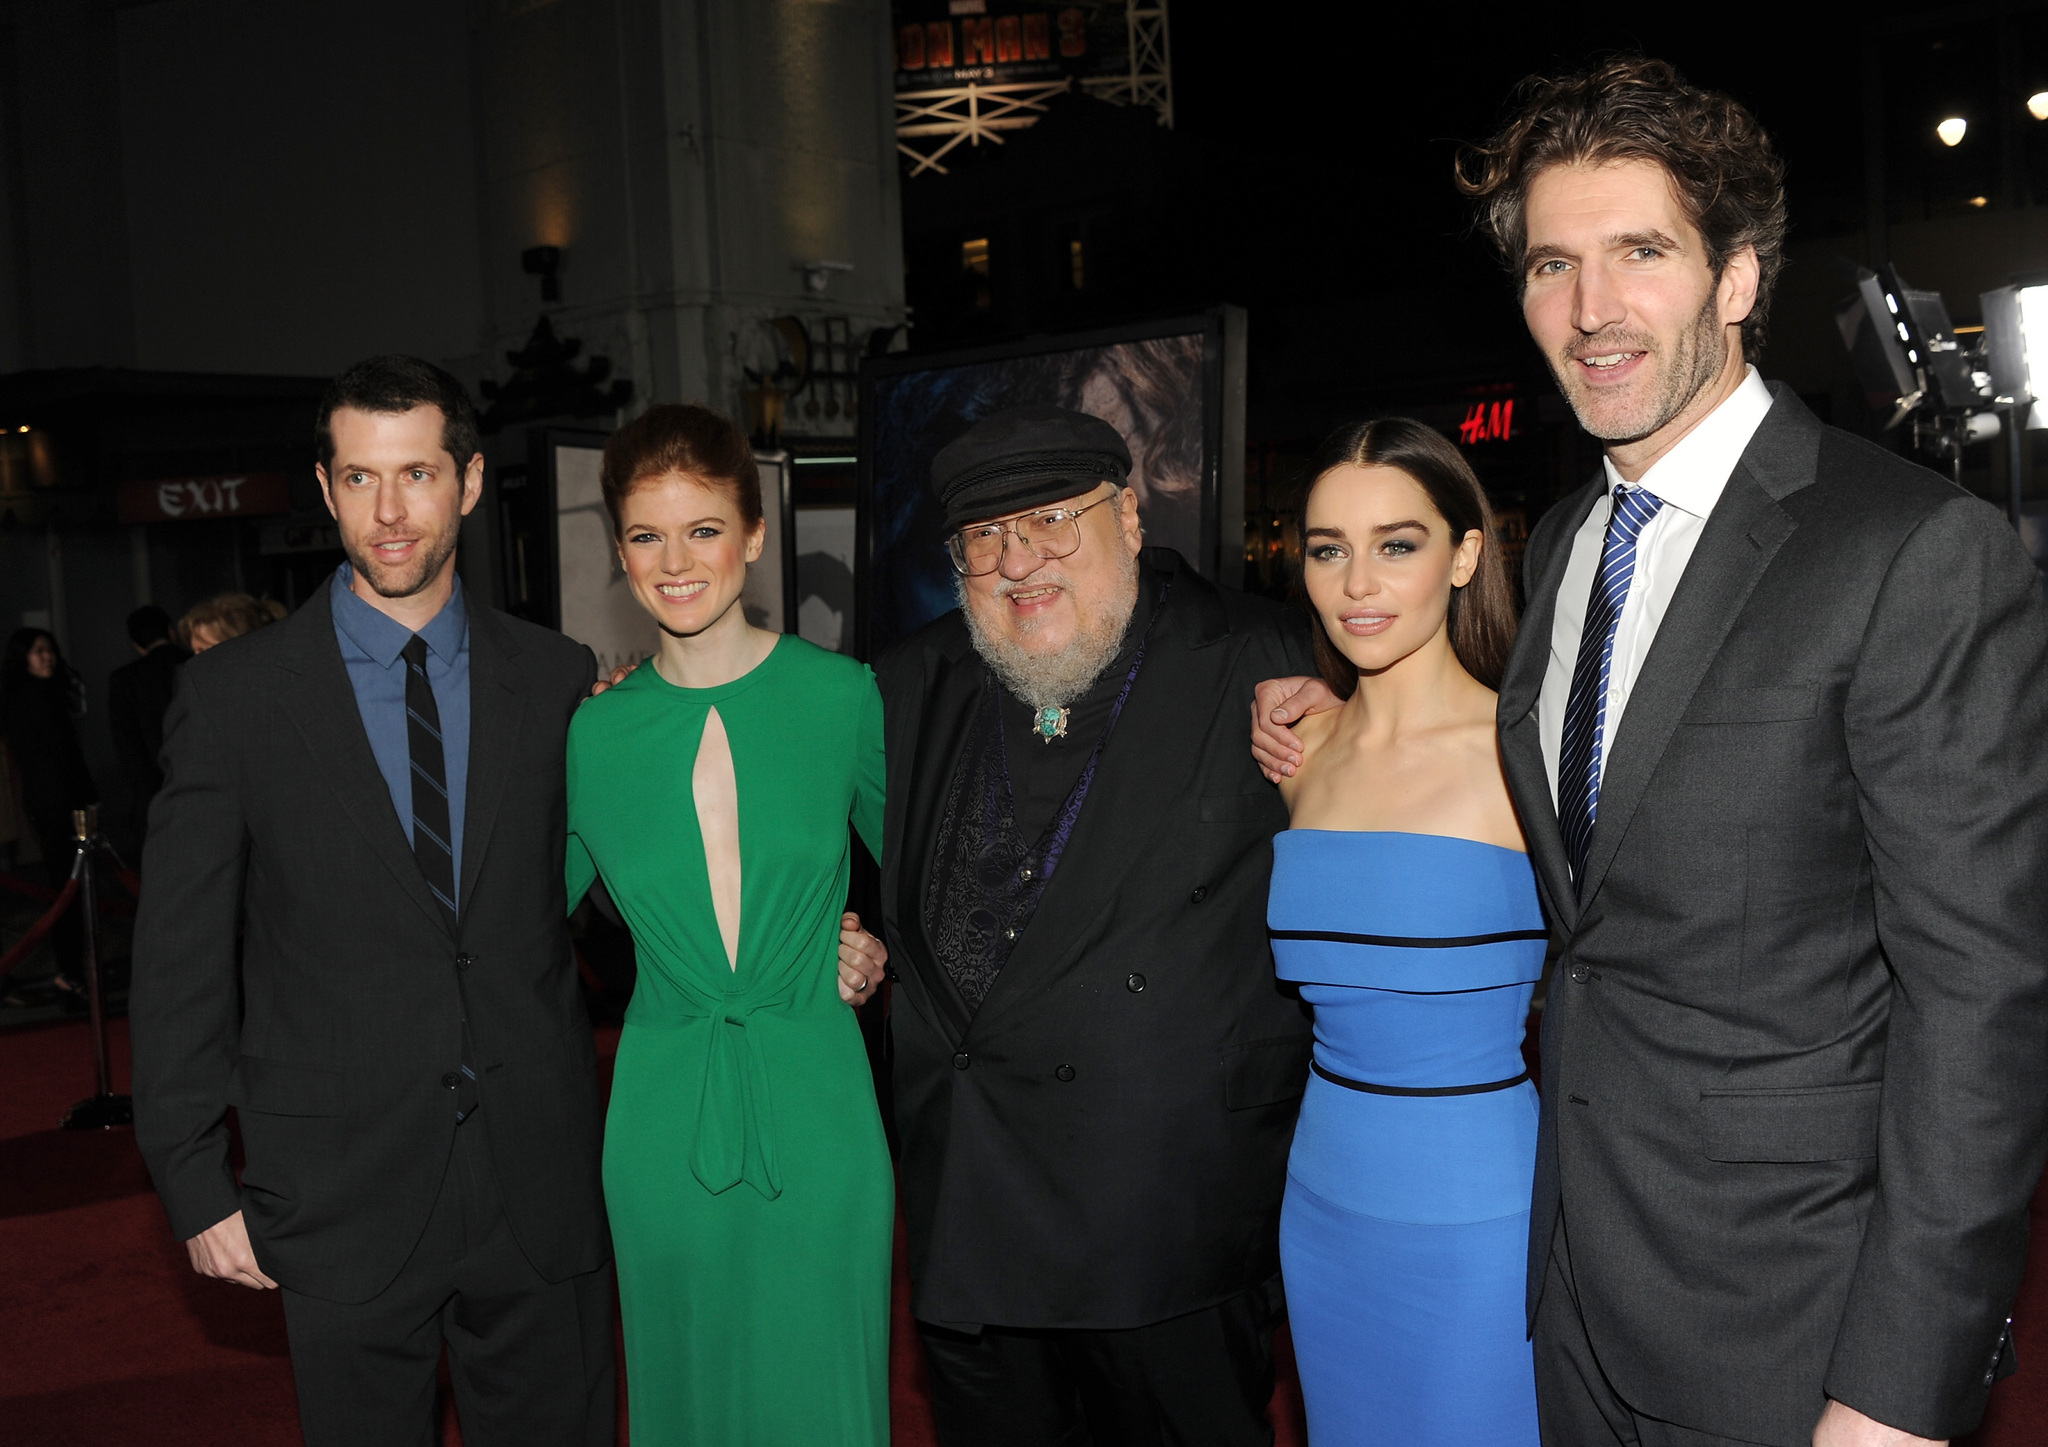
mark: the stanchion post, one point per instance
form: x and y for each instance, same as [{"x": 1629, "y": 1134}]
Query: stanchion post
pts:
[{"x": 104, "y": 1110}]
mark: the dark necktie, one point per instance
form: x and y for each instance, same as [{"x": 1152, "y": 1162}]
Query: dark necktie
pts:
[
  {"x": 430, "y": 831},
  {"x": 430, "y": 844},
  {"x": 1585, "y": 710}
]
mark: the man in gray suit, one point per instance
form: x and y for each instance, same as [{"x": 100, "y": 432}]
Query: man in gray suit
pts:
[{"x": 1775, "y": 728}]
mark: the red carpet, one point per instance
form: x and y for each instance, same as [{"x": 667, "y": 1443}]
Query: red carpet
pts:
[{"x": 107, "y": 1339}]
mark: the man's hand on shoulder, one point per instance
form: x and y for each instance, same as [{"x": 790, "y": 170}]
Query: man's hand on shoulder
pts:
[
  {"x": 223, "y": 1252},
  {"x": 1276, "y": 703},
  {"x": 619, "y": 676},
  {"x": 1843, "y": 1426}
]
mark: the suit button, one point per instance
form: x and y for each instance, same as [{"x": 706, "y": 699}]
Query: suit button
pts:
[
  {"x": 1065, "y": 1072},
  {"x": 1580, "y": 974},
  {"x": 1201, "y": 893},
  {"x": 464, "y": 961},
  {"x": 1135, "y": 984},
  {"x": 960, "y": 1061},
  {"x": 1009, "y": 934},
  {"x": 889, "y": 972},
  {"x": 1025, "y": 874},
  {"x": 451, "y": 1080}
]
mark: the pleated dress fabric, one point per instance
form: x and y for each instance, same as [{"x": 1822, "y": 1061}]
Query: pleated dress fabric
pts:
[
  {"x": 745, "y": 1169},
  {"x": 1405, "y": 1228}
]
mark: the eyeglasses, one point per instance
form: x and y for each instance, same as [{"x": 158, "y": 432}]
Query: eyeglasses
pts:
[{"x": 1049, "y": 533}]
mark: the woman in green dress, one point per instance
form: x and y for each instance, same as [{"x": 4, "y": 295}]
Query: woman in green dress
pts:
[{"x": 745, "y": 1169}]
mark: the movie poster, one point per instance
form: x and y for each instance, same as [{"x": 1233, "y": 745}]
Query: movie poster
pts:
[{"x": 1174, "y": 396}]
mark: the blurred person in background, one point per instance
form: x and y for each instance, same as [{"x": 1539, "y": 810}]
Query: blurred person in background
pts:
[
  {"x": 41, "y": 697},
  {"x": 138, "y": 695},
  {"x": 209, "y": 624}
]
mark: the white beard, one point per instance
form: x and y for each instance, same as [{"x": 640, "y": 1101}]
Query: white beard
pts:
[{"x": 1055, "y": 680}]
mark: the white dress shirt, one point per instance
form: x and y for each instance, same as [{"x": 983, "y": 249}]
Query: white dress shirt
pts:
[{"x": 1689, "y": 479}]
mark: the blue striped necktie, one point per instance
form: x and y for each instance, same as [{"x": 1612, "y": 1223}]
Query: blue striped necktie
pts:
[{"x": 1585, "y": 711}]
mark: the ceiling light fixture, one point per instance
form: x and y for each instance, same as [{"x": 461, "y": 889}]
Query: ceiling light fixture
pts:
[
  {"x": 2037, "y": 105},
  {"x": 1951, "y": 130}
]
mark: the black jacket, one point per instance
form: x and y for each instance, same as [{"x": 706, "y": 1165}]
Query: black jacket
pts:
[
  {"x": 337, "y": 1043},
  {"x": 1795, "y": 1054},
  {"x": 138, "y": 698},
  {"x": 1104, "y": 1143},
  {"x": 35, "y": 715}
]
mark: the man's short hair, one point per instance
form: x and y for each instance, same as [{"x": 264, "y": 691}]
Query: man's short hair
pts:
[
  {"x": 1726, "y": 176},
  {"x": 149, "y": 624},
  {"x": 397, "y": 383}
]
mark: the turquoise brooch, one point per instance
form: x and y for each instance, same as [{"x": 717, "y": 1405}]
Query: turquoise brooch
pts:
[{"x": 1051, "y": 723}]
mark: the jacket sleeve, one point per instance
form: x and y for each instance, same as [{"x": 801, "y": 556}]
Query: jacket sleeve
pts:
[
  {"x": 1944, "y": 720},
  {"x": 184, "y": 1000}
]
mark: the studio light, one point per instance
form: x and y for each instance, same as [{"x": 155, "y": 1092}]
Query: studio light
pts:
[
  {"x": 2016, "y": 341},
  {"x": 2037, "y": 105},
  {"x": 1952, "y": 130}
]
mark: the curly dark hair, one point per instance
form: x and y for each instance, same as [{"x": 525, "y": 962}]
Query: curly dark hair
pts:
[{"x": 1729, "y": 180}]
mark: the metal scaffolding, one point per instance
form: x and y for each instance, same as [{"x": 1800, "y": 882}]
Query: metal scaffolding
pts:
[{"x": 930, "y": 123}]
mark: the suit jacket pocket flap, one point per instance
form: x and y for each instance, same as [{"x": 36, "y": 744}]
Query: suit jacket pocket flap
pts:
[
  {"x": 1265, "y": 1072},
  {"x": 274, "y": 1087},
  {"x": 1829, "y": 1123},
  {"x": 1230, "y": 808},
  {"x": 1752, "y": 705}
]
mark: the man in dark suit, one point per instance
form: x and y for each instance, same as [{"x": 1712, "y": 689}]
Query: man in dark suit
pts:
[
  {"x": 365, "y": 804},
  {"x": 1096, "y": 1075},
  {"x": 1773, "y": 726},
  {"x": 138, "y": 697}
]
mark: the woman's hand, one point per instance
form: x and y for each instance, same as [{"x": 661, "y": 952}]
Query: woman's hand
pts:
[
  {"x": 861, "y": 960},
  {"x": 1277, "y": 703}
]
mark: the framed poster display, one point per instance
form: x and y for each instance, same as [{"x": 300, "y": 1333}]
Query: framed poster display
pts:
[
  {"x": 1174, "y": 389},
  {"x": 770, "y": 595},
  {"x": 594, "y": 601}
]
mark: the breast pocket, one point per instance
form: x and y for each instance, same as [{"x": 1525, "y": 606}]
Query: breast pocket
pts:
[
  {"x": 1753, "y": 705},
  {"x": 1822, "y": 1123}
]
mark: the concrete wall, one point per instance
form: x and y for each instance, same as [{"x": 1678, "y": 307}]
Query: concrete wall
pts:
[
  {"x": 281, "y": 186},
  {"x": 299, "y": 180}
]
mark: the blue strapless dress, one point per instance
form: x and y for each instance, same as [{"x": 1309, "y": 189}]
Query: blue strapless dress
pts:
[{"x": 1405, "y": 1233}]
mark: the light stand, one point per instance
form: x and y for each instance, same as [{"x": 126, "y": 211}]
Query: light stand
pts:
[{"x": 104, "y": 1110}]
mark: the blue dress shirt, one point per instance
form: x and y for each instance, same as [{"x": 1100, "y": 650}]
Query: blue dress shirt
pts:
[{"x": 370, "y": 648}]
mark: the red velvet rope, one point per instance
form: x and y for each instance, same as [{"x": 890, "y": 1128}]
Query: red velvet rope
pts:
[
  {"x": 14, "y": 884},
  {"x": 40, "y": 928}
]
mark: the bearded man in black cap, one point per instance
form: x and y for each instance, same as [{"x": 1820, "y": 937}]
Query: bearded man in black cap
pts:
[{"x": 1096, "y": 1075}]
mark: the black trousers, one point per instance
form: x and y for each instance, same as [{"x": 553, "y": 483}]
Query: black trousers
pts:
[
  {"x": 1200, "y": 1380},
  {"x": 531, "y": 1359},
  {"x": 1576, "y": 1406}
]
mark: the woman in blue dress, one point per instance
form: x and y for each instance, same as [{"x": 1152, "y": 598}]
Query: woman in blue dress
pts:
[{"x": 1404, "y": 908}]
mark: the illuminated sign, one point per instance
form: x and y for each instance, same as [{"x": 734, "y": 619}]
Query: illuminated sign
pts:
[
  {"x": 193, "y": 499},
  {"x": 971, "y": 45},
  {"x": 1488, "y": 422}
]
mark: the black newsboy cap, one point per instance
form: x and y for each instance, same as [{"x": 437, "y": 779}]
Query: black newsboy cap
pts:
[{"x": 1025, "y": 457}]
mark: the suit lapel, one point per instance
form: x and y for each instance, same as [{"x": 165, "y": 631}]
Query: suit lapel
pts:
[
  {"x": 1740, "y": 539},
  {"x": 1521, "y": 742},
  {"x": 498, "y": 705},
  {"x": 322, "y": 703},
  {"x": 948, "y": 713}
]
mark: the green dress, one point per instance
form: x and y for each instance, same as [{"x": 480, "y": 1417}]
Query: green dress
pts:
[{"x": 745, "y": 1169}]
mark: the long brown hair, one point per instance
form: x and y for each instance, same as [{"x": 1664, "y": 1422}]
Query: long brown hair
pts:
[{"x": 1482, "y": 613}]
